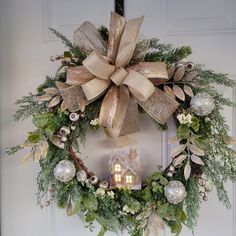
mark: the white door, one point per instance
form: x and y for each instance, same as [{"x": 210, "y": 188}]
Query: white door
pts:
[{"x": 209, "y": 26}]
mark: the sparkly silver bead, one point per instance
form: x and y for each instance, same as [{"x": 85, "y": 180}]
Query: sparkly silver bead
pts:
[
  {"x": 93, "y": 180},
  {"x": 208, "y": 186},
  {"x": 64, "y": 171},
  {"x": 202, "y": 182},
  {"x": 175, "y": 192},
  {"x": 202, "y": 104},
  {"x": 179, "y": 65},
  {"x": 169, "y": 174},
  {"x": 103, "y": 184},
  {"x": 74, "y": 116},
  {"x": 81, "y": 175},
  {"x": 172, "y": 168},
  {"x": 202, "y": 194},
  {"x": 72, "y": 127}
]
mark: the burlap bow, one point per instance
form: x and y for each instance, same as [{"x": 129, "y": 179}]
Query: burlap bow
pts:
[{"x": 105, "y": 69}]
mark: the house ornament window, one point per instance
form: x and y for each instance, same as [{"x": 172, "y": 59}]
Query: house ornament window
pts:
[
  {"x": 129, "y": 179},
  {"x": 117, "y": 177},
  {"x": 117, "y": 167}
]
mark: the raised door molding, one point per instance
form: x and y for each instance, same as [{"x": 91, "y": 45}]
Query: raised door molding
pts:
[
  {"x": 197, "y": 17},
  {"x": 234, "y": 185},
  {"x": 66, "y": 16}
]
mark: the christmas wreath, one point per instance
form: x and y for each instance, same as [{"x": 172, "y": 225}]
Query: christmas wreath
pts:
[{"x": 106, "y": 78}]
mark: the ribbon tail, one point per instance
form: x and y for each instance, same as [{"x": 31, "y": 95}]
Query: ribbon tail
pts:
[
  {"x": 131, "y": 123},
  {"x": 109, "y": 107},
  {"x": 121, "y": 109},
  {"x": 117, "y": 25},
  {"x": 160, "y": 106},
  {"x": 73, "y": 96}
]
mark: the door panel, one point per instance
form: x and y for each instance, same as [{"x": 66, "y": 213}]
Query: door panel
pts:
[{"x": 208, "y": 26}]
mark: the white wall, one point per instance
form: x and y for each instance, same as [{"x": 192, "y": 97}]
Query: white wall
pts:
[{"x": 209, "y": 26}]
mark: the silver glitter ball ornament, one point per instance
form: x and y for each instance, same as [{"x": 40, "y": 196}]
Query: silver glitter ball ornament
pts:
[
  {"x": 64, "y": 171},
  {"x": 175, "y": 192},
  {"x": 202, "y": 104},
  {"x": 81, "y": 175}
]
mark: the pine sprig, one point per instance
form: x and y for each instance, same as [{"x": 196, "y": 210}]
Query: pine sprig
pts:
[
  {"x": 103, "y": 32},
  {"x": 27, "y": 107},
  {"x": 210, "y": 77},
  {"x": 192, "y": 202},
  {"x": 220, "y": 171},
  {"x": 166, "y": 52},
  {"x": 75, "y": 50},
  {"x": 12, "y": 150}
]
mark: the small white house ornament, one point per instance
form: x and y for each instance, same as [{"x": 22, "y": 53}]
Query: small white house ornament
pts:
[{"x": 125, "y": 169}]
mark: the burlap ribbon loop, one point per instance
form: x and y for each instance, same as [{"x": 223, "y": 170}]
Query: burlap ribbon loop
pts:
[{"x": 126, "y": 86}]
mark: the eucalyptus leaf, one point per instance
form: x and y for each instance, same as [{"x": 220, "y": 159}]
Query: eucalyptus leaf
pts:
[
  {"x": 51, "y": 90},
  {"x": 179, "y": 159},
  {"x": 179, "y": 73},
  {"x": 177, "y": 150},
  {"x": 197, "y": 160},
  {"x": 196, "y": 150},
  {"x": 188, "y": 91},
  {"x": 178, "y": 92},
  {"x": 187, "y": 170},
  {"x": 55, "y": 101}
]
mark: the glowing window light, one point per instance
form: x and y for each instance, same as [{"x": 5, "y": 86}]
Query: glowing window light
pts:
[
  {"x": 117, "y": 167},
  {"x": 117, "y": 177},
  {"x": 129, "y": 179}
]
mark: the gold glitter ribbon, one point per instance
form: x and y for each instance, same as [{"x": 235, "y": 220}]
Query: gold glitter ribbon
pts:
[{"x": 127, "y": 86}]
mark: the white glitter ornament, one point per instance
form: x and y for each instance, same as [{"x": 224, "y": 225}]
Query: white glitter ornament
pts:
[
  {"x": 64, "y": 171},
  {"x": 81, "y": 175},
  {"x": 202, "y": 104},
  {"x": 175, "y": 192}
]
